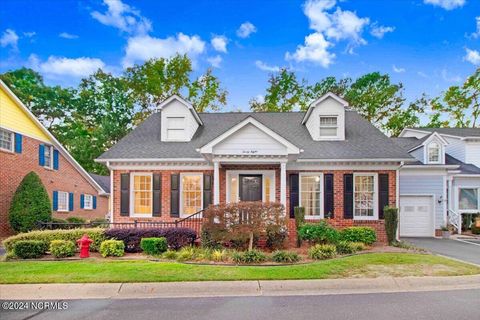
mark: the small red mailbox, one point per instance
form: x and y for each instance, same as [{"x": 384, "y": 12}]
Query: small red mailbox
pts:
[{"x": 84, "y": 244}]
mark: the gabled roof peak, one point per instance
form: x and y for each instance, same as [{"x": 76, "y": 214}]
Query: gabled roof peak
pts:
[
  {"x": 184, "y": 102},
  {"x": 332, "y": 95}
]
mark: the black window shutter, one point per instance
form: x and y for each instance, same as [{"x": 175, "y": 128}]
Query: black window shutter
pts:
[
  {"x": 293, "y": 194},
  {"x": 383, "y": 193},
  {"x": 328, "y": 195},
  {"x": 157, "y": 195},
  {"x": 207, "y": 190},
  {"x": 174, "y": 195},
  {"x": 348, "y": 196},
  {"x": 124, "y": 194}
]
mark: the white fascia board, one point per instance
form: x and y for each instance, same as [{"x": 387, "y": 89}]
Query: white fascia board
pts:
[
  {"x": 184, "y": 102},
  {"x": 56, "y": 143},
  {"x": 151, "y": 160},
  {"x": 357, "y": 160},
  {"x": 291, "y": 148},
  {"x": 414, "y": 130},
  {"x": 319, "y": 100}
]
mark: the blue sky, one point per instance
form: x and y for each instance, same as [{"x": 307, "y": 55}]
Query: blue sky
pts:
[{"x": 428, "y": 45}]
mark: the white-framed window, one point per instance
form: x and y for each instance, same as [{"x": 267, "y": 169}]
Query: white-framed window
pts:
[
  {"x": 141, "y": 194},
  {"x": 311, "y": 190},
  {"x": 88, "y": 201},
  {"x": 63, "y": 201},
  {"x": 365, "y": 195},
  {"x": 433, "y": 151},
  {"x": 6, "y": 140},
  {"x": 48, "y": 156},
  {"x": 328, "y": 126},
  {"x": 176, "y": 128},
  {"x": 468, "y": 199},
  {"x": 191, "y": 193}
]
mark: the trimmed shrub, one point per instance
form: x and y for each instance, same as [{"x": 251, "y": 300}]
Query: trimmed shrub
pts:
[
  {"x": 319, "y": 233},
  {"x": 170, "y": 255},
  {"x": 96, "y": 234},
  {"x": 250, "y": 256},
  {"x": 285, "y": 256},
  {"x": 322, "y": 251},
  {"x": 30, "y": 204},
  {"x": 299, "y": 213},
  {"x": 29, "y": 249},
  {"x": 99, "y": 223},
  {"x": 62, "y": 248},
  {"x": 276, "y": 237},
  {"x": 391, "y": 223},
  {"x": 345, "y": 247},
  {"x": 366, "y": 235},
  {"x": 76, "y": 220},
  {"x": 176, "y": 237},
  {"x": 112, "y": 248},
  {"x": 154, "y": 246}
]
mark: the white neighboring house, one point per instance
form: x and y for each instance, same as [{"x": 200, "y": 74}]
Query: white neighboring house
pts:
[{"x": 444, "y": 184}]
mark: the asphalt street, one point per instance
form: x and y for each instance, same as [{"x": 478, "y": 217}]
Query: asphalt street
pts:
[{"x": 439, "y": 305}]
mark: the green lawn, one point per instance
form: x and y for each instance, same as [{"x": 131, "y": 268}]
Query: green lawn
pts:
[{"x": 365, "y": 265}]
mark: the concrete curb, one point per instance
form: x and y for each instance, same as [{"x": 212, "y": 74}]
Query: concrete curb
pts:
[{"x": 234, "y": 288}]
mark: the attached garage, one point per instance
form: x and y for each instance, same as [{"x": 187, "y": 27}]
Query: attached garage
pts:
[{"x": 416, "y": 216}]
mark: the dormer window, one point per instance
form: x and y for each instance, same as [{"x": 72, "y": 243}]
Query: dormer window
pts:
[
  {"x": 176, "y": 128},
  {"x": 434, "y": 153},
  {"x": 328, "y": 126}
]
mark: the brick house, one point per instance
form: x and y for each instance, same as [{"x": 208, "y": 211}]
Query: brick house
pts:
[
  {"x": 329, "y": 160},
  {"x": 25, "y": 146}
]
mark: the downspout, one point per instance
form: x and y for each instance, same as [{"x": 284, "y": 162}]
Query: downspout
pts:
[
  {"x": 110, "y": 205},
  {"x": 397, "y": 196}
]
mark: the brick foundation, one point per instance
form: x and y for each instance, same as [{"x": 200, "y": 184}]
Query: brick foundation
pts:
[{"x": 14, "y": 167}]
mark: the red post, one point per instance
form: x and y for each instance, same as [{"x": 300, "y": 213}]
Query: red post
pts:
[{"x": 84, "y": 244}]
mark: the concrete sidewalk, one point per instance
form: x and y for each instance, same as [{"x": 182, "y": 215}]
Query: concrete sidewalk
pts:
[{"x": 234, "y": 288}]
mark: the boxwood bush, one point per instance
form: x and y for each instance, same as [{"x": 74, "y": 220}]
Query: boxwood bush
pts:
[
  {"x": 366, "y": 235},
  {"x": 29, "y": 249},
  {"x": 112, "y": 248},
  {"x": 322, "y": 251},
  {"x": 176, "y": 237},
  {"x": 46, "y": 236},
  {"x": 319, "y": 233},
  {"x": 62, "y": 248},
  {"x": 154, "y": 246}
]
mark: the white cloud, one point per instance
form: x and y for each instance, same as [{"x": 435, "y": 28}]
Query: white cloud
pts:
[
  {"x": 423, "y": 74},
  {"x": 215, "y": 61},
  {"x": 123, "y": 17},
  {"x": 314, "y": 50},
  {"x": 141, "y": 48},
  {"x": 472, "y": 56},
  {"x": 476, "y": 34},
  {"x": 397, "y": 69},
  {"x": 329, "y": 27},
  {"x": 58, "y": 67},
  {"x": 9, "y": 38},
  {"x": 446, "y": 77},
  {"x": 29, "y": 34},
  {"x": 446, "y": 4},
  {"x": 67, "y": 35},
  {"x": 246, "y": 29},
  {"x": 379, "y": 31},
  {"x": 219, "y": 43},
  {"x": 265, "y": 67}
]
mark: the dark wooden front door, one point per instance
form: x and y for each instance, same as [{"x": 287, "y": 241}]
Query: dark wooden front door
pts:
[{"x": 250, "y": 187}]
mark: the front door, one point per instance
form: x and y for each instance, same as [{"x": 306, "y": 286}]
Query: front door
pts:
[{"x": 250, "y": 187}]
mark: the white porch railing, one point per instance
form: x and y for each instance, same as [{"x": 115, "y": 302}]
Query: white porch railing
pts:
[{"x": 455, "y": 219}]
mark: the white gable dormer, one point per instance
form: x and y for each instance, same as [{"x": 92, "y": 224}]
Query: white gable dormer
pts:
[
  {"x": 180, "y": 121},
  {"x": 432, "y": 150},
  {"x": 325, "y": 118}
]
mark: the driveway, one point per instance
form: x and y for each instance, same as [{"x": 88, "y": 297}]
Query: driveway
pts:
[{"x": 461, "y": 250}]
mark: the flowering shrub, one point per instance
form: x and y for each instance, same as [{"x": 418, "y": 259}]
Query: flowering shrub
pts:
[
  {"x": 320, "y": 232},
  {"x": 242, "y": 222}
]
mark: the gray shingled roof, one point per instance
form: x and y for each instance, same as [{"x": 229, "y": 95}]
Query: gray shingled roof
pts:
[
  {"x": 103, "y": 181},
  {"x": 461, "y": 132},
  {"x": 408, "y": 143},
  {"x": 362, "y": 139}
]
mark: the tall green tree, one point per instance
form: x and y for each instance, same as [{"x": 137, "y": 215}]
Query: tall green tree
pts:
[
  {"x": 459, "y": 106},
  {"x": 50, "y": 104},
  {"x": 157, "y": 79}
]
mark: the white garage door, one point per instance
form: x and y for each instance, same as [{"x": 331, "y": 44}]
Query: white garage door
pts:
[{"x": 416, "y": 216}]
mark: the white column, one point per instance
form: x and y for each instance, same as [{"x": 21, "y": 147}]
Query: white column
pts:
[
  {"x": 283, "y": 184},
  {"x": 216, "y": 183}
]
